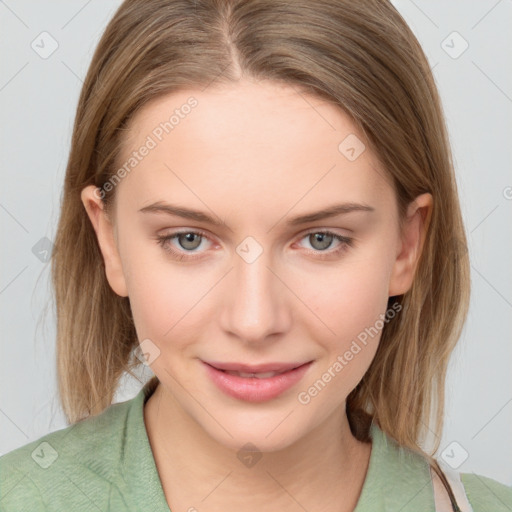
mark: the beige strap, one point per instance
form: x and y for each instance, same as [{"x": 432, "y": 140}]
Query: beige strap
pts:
[{"x": 441, "y": 498}]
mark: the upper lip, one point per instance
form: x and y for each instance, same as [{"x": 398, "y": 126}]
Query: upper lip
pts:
[{"x": 256, "y": 368}]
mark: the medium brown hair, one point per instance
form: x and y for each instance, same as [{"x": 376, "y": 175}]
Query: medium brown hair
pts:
[{"x": 360, "y": 56}]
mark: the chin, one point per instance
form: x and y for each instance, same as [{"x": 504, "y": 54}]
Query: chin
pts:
[{"x": 268, "y": 432}]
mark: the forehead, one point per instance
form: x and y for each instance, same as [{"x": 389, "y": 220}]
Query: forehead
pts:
[
  {"x": 277, "y": 116},
  {"x": 244, "y": 143}
]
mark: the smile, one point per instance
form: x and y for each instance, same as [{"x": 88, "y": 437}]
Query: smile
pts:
[{"x": 255, "y": 386}]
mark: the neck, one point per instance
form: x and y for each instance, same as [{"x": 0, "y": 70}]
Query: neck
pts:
[{"x": 324, "y": 470}]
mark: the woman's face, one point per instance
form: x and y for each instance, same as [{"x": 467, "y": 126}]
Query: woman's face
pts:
[{"x": 252, "y": 168}]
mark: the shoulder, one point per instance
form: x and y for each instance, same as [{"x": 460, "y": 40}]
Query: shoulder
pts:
[
  {"x": 83, "y": 455},
  {"x": 407, "y": 469},
  {"x": 486, "y": 494}
]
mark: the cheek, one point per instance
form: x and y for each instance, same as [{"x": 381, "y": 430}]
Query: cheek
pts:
[
  {"x": 351, "y": 303},
  {"x": 350, "y": 299},
  {"x": 351, "y": 308},
  {"x": 161, "y": 293}
]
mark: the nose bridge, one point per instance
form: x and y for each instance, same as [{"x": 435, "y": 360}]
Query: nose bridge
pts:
[{"x": 255, "y": 305}]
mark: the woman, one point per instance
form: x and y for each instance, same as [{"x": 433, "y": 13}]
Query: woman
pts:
[{"x": 260, "y": 205}]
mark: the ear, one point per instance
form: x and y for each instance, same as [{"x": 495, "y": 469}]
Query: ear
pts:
[
  {"x": 410, "y": 244},
  {"x": 104, "y": 229}
]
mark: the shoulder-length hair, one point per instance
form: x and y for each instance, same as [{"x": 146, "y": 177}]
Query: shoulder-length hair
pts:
[{"x": 360, "y": 56}]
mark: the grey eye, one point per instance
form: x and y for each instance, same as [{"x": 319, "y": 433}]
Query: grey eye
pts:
[
  {"x": 186, "y": 240},
  {"x": 320, "y": 241}
]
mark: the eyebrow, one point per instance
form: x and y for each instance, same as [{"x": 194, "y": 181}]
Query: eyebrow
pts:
[{"x": 187, "y": 213}]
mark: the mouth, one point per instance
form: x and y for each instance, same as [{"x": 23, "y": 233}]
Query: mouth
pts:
[{"x": 256, "y": 383}]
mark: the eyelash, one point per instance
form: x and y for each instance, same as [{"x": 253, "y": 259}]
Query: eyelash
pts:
[{"x": 162, "y": 240}]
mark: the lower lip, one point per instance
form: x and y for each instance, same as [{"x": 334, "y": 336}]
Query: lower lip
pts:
[{"x": 252, "y": 389}]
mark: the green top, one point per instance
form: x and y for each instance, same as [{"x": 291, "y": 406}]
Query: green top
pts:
[{"x": 105, "y": 463}]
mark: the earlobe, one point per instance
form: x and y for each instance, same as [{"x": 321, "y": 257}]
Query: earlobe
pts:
[
  {"x": 105, "y": 235},
  {"x": 411, "y": 244}
]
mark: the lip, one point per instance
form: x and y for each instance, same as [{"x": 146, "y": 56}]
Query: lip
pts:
[{"x": 254, "y": 389}]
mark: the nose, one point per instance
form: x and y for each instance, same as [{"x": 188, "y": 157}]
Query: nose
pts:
[{"x": 255, "y": 305}]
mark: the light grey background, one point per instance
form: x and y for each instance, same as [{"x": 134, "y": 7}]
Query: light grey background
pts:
[{"x": 38, "y": 98}]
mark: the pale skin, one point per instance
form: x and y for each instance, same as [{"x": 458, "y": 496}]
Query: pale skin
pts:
[{"x": 255, "y": 155}]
